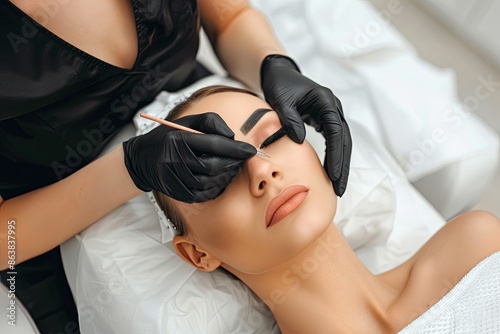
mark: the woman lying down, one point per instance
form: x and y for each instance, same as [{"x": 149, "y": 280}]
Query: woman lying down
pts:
[{"x": 272, "y": 228}]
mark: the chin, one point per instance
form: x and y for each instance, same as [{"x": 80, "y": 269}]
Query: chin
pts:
[{"x": 308, "y": 228}]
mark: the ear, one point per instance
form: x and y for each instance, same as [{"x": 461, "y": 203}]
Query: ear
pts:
[{"x": 194, "y": 255}]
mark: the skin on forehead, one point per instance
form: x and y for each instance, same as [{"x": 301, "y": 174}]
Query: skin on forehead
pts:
[{"x": 233, "y": 107}]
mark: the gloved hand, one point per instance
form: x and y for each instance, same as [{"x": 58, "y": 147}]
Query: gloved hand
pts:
[
  {"x": 298, "y": 99},
  {"x": 186, "y": 166}
]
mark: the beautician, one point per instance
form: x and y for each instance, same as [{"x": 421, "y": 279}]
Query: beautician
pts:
[{"x": 74, "y": 72}]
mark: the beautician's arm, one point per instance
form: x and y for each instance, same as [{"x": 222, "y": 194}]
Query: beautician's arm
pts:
[
  {"x": 241, "y": 37},
  {"x": 46, "y": 217},
  {"x": 247, "y": 48}
]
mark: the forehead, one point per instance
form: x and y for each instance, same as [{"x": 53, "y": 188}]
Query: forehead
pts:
[{"x": 234, "y": 108}]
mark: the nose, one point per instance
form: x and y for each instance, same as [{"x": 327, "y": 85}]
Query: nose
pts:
[{"x": 262, "y": 173}]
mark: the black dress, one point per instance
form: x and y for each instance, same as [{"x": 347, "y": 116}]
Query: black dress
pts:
[{"x": 60, "y": 106}]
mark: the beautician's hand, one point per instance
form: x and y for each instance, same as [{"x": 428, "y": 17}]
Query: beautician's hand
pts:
[
  {"x": 186, "y": 166},
  {"x": 298, "y": 99}
]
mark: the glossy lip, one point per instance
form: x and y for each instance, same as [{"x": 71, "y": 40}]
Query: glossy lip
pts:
[{"x": 285, "y": 203}]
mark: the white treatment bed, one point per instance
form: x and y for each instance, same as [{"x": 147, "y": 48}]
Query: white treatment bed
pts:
[{"x": 122, "y": 271}]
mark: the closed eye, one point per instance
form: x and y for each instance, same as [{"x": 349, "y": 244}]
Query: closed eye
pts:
[{"x": 274, "y": 137}]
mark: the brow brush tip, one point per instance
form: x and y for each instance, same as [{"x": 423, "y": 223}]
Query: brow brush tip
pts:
[{"x": 262, "y": 154}]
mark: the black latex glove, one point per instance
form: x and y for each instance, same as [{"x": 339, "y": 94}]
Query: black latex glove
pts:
[
  {"x": 186, "y": 166},
  {"x": 298, "y": 99}
]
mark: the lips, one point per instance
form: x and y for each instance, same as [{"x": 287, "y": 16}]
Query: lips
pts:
[{"x": 285, "y": 203}]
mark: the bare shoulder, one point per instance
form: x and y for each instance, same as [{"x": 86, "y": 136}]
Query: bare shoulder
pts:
[
  {"x": 454, "y": 250},
  {"x": 441, "y": 263},
  {"x": 462, "y": 243},
  {"x": 459, "y": 245}
]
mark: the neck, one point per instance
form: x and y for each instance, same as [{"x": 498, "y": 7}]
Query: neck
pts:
[{"x": 324, "y": 289}]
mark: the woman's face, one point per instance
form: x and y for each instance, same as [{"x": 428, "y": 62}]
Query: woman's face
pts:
[{"x": 274, "y": 208}]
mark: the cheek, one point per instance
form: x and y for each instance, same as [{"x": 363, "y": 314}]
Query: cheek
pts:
[
  {"x": 221, "y": 225},
  {"x": 320, "y": 181},
  {"x": 300, "y": 160}
]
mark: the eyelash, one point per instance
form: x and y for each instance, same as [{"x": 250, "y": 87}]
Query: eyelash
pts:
[{"x": 274, "y": 137}]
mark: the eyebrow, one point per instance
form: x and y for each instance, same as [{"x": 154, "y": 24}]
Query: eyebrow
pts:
[{"x": 253, "y": 119}]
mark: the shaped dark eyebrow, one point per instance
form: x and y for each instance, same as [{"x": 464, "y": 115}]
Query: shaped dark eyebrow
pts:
[{"x": 253, "y": 119}]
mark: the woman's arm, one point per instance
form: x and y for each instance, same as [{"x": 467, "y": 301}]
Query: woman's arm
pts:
[
  {"x": 243, "y": 40},
  {"x": 46, "y": 217},
  {"x": 241, "y": 37}
]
